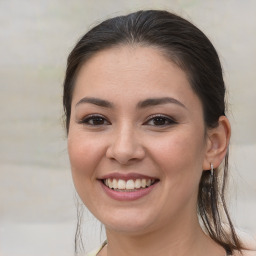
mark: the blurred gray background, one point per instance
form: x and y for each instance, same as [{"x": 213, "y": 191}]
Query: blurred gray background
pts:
[{"x": 37, "y": 202}]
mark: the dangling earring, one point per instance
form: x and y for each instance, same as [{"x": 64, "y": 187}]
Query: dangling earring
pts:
[
  {"x": 212, "y": 173},
  {"x": 211, "y": 170},
  {"x": 208, "y": 185}
]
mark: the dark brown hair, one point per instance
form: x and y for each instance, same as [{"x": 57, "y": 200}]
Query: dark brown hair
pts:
[{"x": 189, "y": 48}]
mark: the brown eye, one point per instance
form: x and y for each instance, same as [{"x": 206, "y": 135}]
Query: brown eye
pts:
[
  {"x": 160, "y": 120},
  {"x": 95, "y": 120}
]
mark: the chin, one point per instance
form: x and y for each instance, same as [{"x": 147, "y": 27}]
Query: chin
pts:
[
  {"x": 133, "y": 223},
  {"x": 128, "y": 228}
]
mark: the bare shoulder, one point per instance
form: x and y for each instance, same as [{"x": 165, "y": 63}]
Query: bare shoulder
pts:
[
  {"x": 248, "y": 242},
  {"x": 249, "y": 253},
  {"x": 245, "y": 253}
]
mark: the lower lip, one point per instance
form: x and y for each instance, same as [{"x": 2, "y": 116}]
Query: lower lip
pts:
[{"x": 127, "y": 196}]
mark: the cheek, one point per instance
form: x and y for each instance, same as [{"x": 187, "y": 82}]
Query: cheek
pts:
[
  {"x": 180, "y": 156},
  {"x": 84, "y": 154}
]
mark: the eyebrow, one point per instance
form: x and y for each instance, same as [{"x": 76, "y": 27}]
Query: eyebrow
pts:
[
  {"x": 159, "y": 101},
  {"x": 95, "y": 101},
  {"x": 142, "y": 104}
]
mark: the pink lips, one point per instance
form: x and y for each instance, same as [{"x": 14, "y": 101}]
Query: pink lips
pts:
[{"x": 127, "y": 195}]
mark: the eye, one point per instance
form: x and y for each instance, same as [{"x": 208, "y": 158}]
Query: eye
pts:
[
  {"x": 94, "y": 120},
  {"x": 160, "y": 120}
]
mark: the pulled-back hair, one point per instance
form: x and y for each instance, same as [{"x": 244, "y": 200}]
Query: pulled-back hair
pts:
[{"x": 188, "y": 47}]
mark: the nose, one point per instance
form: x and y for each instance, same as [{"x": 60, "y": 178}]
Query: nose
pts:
[{"x": 125, "y": 146}]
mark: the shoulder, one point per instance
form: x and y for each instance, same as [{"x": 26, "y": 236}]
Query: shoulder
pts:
[
  {"x": 245, "y": 253},
  {"x": 96, "y": 251},
  {"x": 248, "y": 242},
  {"x": 250, "y": 251},
  {"x": 92, "y": 253}
]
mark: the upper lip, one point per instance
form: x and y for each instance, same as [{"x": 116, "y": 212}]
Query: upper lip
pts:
[{"x": 126, "y": 176}]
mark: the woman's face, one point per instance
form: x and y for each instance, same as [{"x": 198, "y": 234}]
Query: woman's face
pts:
[{"x": 136, "y": 140}]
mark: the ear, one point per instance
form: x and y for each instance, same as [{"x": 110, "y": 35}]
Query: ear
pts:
[{"x": 217, "y": 142}]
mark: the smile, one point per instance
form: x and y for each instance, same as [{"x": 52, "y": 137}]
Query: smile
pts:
[{"x": 128, "y": 185}]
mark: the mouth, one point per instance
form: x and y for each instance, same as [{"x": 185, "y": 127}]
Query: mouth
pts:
[{"x": 130, "y": 185}]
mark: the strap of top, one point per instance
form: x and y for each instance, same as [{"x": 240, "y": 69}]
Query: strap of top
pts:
[{"x": 102, "y": 246}]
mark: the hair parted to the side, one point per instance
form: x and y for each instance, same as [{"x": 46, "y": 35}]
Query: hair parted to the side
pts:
[{"x": 189, "y": 48}]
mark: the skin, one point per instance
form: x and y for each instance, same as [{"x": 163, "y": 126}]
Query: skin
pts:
[{"x": 129, "y": 139}]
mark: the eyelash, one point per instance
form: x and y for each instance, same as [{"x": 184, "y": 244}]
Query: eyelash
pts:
[
  {"x": 94, "y": 117},
  {"x": 154, "y": 118},
  {"x": 167, "y": 120}
]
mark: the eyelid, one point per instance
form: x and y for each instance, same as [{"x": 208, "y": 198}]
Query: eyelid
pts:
[
  {"x": 85, "y": 120},
  {"x": 90, "y": 116},
  {"x": 171, "y": 119}
]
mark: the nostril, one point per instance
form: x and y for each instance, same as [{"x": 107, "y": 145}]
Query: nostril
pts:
[{"x": 125, "y": 153}]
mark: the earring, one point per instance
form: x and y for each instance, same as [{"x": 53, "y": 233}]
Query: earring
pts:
[
  {"x": 212, "y": 177},
  {"x": 212, "y": 170}
]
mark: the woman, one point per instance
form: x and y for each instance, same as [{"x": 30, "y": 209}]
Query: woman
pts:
[{"x": 144, "y": 100}]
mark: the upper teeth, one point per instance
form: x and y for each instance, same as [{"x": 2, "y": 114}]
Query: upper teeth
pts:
[{"x": 129, "y": 184}]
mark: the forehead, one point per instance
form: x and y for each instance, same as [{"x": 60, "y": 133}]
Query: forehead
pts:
[
  {"x": 129, "y": 58},
  {"x": 133, "y": 72}
]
